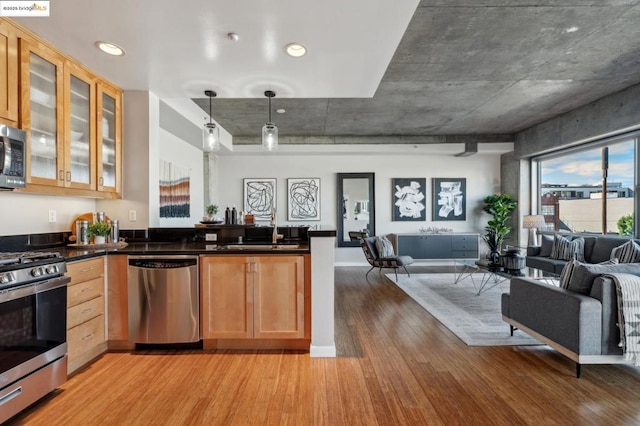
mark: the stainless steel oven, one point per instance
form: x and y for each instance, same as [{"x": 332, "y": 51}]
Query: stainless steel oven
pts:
[{"x": 33, "y": 328}]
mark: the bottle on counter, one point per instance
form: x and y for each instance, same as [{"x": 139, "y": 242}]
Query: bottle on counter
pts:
[
  {"x": 100, "y": 216},
  {"x": 227, "y": 216},
  {"x": 114, "y": 237},
  {"x": 82, "y": 232},
  {"x": 234, "y": 216}
]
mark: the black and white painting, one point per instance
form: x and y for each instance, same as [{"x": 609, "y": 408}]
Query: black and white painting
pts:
[
  {"x": 304, "y": 199},
  {"x": 449, "y": 199},
  {"x": 259, "y": 197},
  {"x": 408, "y": 199}
]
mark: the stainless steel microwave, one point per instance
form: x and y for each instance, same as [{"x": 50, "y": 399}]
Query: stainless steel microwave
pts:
[{"x": 12, "y": 157}]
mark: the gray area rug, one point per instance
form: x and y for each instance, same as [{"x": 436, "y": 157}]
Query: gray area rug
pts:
[{"x": 475, "y": 319}]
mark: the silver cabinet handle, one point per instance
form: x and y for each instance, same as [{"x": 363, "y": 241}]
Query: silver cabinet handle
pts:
[{"x": 13, "y": 394}]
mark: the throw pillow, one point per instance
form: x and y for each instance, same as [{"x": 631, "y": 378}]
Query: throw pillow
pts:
[
  {"x": 629, "y": 252},
  {"x": 584, "y": 274},
  {"x": 384, "y": 246},
  {"x": 546, "y": 246},
  {"x": 565, "y": 249},
  {"x": 567, "y": 271}
]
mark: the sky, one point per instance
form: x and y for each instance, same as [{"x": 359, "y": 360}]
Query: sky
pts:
[{"x": 585, "y": 167}]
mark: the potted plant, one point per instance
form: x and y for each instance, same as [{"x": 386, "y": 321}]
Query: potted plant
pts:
[
  {"x": 212, "y": 210},
  {"x": 499, "y": 206},
  {"x": 99, "y": 231}
]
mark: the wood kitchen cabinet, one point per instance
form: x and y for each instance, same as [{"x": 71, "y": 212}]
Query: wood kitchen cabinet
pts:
[
  {"x": 73, "y": 120},
  {"x": 85, "y": 312},
  {"x": 9, "y": 62},
  {"x": 117, "y": 303},
  {"x": 255, "y": 297},
  {"x": 109, "y": 139}
]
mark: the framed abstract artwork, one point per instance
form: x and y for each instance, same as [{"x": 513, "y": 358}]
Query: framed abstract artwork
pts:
[
  {"x": 303, "y": 195},
  {"x": 259, "y": 197},
  {"x": 449, "y": 199},
  {"x": 408, "y": 199}
]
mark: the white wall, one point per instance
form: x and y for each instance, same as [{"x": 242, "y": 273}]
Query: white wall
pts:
[
  {"x": 481, "y": 171},
  {"x": 29, "y": 214}
]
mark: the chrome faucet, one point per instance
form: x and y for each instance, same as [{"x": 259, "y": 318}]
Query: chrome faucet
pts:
[{"x": 275, "y": 236}]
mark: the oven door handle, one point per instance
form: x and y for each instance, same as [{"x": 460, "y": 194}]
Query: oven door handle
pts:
[
  {"x": 34, "y": 288},
  {"x": 11, "y": 395}
]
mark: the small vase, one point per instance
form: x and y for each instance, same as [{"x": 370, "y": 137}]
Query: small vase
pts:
[{"x": 98, "y": 239}]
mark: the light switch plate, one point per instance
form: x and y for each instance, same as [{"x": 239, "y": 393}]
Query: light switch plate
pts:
[
  {"x": 52, "y": 216},
  {"x": 132, "y": 216}
]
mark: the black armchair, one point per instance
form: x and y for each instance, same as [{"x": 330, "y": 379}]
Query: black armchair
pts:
[{"x": 371, "y": 253}]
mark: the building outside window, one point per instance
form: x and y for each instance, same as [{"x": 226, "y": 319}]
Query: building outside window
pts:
[{"x": 570, "y": 186}]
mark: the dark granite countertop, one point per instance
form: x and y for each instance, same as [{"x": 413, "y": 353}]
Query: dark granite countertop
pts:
[{"x": 194, "y": 248}]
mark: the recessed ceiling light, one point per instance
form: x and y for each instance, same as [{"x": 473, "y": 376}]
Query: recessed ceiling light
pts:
[
  {"x": 233, "y": 36},
  {"x": 571, "y": 30},
  {"x": 296, "y": 50},
  {"x": 110, "y": 48},
  {"x": 281, "y": 110}
]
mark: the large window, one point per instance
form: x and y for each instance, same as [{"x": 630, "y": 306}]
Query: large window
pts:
[{"x": 570, "y": 187}]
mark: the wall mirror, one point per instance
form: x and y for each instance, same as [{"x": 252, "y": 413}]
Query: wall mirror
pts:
[{"x": 356, "y": 206}]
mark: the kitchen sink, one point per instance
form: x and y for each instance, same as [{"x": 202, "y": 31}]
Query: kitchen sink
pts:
[{"x": 265, "y": 247}]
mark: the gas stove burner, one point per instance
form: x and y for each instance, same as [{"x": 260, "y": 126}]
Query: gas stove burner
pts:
[
  {"x": 26, "y": 257},
  {"x": 18, "y": 268}
]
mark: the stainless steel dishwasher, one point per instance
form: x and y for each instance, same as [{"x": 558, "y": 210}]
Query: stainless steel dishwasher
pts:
[{"x": 163, "y": 299}]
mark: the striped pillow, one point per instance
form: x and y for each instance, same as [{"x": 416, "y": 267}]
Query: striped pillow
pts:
[
  {"x": 384, "y": 246},
  {"x": 629, "y": 252},
  {"x": 565, "y": 275},
  {"x": 565, "y": 249}
]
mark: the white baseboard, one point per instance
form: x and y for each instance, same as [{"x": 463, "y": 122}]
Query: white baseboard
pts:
[{"x": 322, "y": 351}]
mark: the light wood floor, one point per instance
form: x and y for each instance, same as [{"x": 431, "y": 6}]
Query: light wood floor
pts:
[{"x": 397, "y": 365}]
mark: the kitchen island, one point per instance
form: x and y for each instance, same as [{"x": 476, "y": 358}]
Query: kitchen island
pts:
[{"x": 252, "y": 296}]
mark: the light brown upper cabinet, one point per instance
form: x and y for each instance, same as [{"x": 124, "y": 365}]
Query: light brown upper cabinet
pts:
[
  {"x": 8, "y": 74},
  {"x": 41, "y": 106},
  {"x": 109, "y": 137},
  {"x": 74, "y": 122}
]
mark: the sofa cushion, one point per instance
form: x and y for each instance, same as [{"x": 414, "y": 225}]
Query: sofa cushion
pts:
[
  {"x": 584, "y": 274},
  {"x": 546, "y": 246},
  {"x": 565, "y": 249},
  {"x": 546, "y": 264},
  {"x": 629, "y": 252},
  {"x": 603, "y": 248}
]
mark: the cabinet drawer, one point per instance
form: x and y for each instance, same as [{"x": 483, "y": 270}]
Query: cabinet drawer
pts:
[
  {"x": 83, "y": 312},
  {"x": 81, "y": 292},
  {"x": 85, "y": 270},
  {"x": 461, "y": 254},
  {"x": 85, "y": 337}
]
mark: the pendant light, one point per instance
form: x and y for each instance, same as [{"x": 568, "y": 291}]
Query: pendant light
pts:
[
  {"x": 211, "y": 133},
  {"x": 270, "y": 130}
]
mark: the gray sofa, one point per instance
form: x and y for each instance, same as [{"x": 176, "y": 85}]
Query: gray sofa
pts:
[
  {"x": 596, "y": 249},
  {"x": 583, "y": 327}
]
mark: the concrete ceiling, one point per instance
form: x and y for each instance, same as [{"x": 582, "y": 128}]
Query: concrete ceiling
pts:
[{"x": 460, "y": 67}]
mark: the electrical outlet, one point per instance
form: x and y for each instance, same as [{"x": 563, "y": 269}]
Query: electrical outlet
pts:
[
  {"x": 133, "y": 216},
  {"x": 52, "y": 216},
  {"x": 211, "y": 237}
]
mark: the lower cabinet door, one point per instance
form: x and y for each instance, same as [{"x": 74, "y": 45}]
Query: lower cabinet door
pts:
[
  {"x": 279, "y": 297},
  {"x": 226, "y": 297}
]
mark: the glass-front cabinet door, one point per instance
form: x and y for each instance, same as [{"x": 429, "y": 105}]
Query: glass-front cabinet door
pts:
[
  {"x": 80, "y": 113},
  {"x": 42, "y": 80},
  {"x": 109, "y": 139}
]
